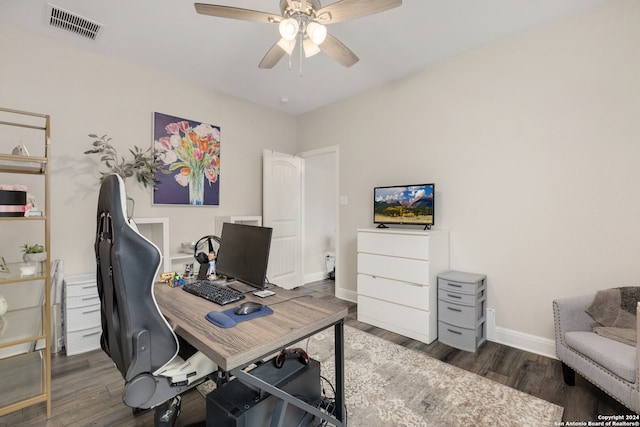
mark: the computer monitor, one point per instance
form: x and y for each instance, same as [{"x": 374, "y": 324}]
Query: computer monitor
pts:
[{"x": 244, "y": 253}]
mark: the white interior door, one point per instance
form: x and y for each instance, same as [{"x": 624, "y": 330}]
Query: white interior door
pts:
[{"x": 282, "y": 201}]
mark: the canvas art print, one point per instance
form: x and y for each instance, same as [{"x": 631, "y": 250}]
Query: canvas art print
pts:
[{"x": 190, "y": 152}]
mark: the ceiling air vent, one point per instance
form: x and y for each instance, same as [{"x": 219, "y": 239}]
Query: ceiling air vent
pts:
[{"x": 74, "y": 23}]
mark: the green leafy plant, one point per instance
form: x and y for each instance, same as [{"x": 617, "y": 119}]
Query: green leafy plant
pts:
[
  {"x": 32, "y": 249},
  {"x": 143, "y": 166}
]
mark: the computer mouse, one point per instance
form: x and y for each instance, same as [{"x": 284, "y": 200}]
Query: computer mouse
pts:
[{"x": 248, "y": 308}]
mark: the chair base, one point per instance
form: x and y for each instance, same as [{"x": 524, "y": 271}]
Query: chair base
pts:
[{"x": 165, "y": 415}]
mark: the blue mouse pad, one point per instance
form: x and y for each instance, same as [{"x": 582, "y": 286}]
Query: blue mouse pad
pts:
[{"x": 228, "y": 319}]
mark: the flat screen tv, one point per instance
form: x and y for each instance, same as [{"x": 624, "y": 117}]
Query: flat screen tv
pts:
[
  {"x": 244, "y": 253},
  {"x": 404, "y": 204}
]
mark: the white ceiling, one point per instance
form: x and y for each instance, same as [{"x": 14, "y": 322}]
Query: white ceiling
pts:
[{"x": 223, "y": 54}]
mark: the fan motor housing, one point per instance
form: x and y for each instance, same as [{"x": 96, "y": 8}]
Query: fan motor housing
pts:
[{"x": 312, "y": 7}]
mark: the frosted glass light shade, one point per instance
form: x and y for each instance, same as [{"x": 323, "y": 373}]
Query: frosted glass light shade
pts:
[
  {"x": 316, "y": 32},
  {"x": 310, "y": 48},
  {"x": 289, "y": 28},
  {"x": 287, "y": 45}
]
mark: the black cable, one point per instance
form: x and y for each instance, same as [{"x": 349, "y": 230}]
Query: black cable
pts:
[{"x": 280, "y": 302}]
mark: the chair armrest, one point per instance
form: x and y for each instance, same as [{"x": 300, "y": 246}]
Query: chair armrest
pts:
[{"x": 569, "y": 315}]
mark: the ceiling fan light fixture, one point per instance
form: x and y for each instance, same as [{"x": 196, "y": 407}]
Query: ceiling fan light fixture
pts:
[
  {"x": 316, "y": 32},
  {"x": 289, "y": 28},
  {"x": 287, "y": 45},
  {"x": 310, "y": 48}
]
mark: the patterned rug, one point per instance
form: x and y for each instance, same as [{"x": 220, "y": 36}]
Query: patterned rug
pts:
[{"x": 390, "y": 385}]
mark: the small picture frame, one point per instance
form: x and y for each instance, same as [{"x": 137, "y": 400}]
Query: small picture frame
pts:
[{"x": 4, "y": 268}]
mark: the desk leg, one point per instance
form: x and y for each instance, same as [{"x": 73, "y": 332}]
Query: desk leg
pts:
[{"x": 339, "y": 355}]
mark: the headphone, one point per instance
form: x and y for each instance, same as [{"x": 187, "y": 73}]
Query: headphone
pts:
[{"x": 202, "y": 257}]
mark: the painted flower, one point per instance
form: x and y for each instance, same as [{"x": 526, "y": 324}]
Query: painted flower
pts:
[{"x": 192, "y": 151}]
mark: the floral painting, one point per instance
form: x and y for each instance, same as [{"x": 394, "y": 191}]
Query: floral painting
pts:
[{"x": 190, "y": 152}]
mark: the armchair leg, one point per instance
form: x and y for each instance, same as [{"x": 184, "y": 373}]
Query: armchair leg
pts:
[
  {"x": 569, "y": 375},
  {"x": 166, "y": 414}
]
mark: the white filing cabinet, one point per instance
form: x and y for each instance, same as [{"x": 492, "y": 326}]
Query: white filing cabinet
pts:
[
  {"x": 462, "y": 308},
  {"x": 81, "y": 314},
  {"x": 397, "y": 279}
]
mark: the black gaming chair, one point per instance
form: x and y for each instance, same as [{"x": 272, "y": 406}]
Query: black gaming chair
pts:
[{"x": 135, "y": 335}]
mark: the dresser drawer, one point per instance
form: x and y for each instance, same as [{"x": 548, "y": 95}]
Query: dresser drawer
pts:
[
  {"x": 466, "y": 316},
  {"x": 82, "y": 317},
  {"x": 402, "y": 269},
  {"x": 404, "y": 293},
  {"x": 455, "y": 297},
  {"x": 80, "y": 289},
  {"x": 82, "y": 300},
  {"x": 83, "y": 340},
  {"x": 394, "y": 244},
  {"x": 462, "y": 338},
  {"x": 410, "y": 322}
]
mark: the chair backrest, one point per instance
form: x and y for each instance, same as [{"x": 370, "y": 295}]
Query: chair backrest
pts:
[{"x": 127, "y": 266}]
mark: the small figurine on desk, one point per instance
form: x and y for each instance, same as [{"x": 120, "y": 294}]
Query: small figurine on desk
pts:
[{"x": 211, "y": 272}]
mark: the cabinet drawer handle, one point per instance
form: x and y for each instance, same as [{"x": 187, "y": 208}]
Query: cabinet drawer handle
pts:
[
  {"x": 455, "y": 285},
  {"x": 454, "y": 296},
  {"x": 454, "y": 332},
  {"x": 90, "y": 311},
  {"x": 91, "y": 334},
  {"x": 454, "y": 309}
]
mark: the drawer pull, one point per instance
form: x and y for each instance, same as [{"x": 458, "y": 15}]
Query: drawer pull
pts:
[
  {"x": 90, "y": 311},
  {"x": 91, "y": 334},
  {"x": 455, "y": 285},
  {"x": 454, "y": 332},
  {"x": 454, "y": 309},
  {"x": 454, "y": 296}
]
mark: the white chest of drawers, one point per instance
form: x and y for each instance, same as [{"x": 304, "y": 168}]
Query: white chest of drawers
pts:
[
  {"x": 81, "y": 314},
  {"x": 397, "y": 279}
]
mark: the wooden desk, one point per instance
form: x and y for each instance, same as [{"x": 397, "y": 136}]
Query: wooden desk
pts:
[{"x": 295, "y": 317}]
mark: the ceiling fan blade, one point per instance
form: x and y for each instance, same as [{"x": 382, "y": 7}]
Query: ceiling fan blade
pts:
[
  {"x": 236, "y": 13},
  {"x": 338, "y": 51},
  {"x": 273, "y": 56},
  {"x": 349, "y": 9}
]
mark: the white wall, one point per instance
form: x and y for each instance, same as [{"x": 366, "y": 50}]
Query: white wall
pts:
[
  {"x": 86, "y": 93},
  {"x": 533, "y": 146},
  {"x": 319, "y": 213}
]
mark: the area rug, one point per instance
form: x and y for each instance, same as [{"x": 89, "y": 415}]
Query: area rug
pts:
[{"x": 390, "y": 385}]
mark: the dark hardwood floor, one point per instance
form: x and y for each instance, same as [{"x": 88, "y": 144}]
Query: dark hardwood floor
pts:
[{"x": 87, "y": 389}]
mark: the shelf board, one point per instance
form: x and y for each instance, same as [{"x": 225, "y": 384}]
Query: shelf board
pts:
[
  {"x": 14, "y": 276},
  {"x": 23, "y": 164}
]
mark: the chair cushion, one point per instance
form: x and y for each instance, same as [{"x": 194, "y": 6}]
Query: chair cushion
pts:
[{"x": 613, "y": 356}]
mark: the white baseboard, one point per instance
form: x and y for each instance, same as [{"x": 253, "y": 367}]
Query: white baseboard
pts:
[
  {"x": 526, "y": 342},
  {"x": 314, "y": 277},
  {"x": 347, "y": 294}
]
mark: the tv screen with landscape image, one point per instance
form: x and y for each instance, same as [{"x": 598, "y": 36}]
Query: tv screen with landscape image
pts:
[{"x": 404, "y": 204}]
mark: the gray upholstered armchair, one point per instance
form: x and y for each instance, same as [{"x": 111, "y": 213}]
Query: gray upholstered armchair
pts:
[{"x": 607, "y": 363}]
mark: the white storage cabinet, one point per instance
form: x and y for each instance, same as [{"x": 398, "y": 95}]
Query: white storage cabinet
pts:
[
  {"x": 82, "y": 325},
  {"x": 397, "y": 279}
]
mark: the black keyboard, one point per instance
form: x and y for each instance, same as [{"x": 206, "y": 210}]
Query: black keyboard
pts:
[{"x": 214, "y": 292}]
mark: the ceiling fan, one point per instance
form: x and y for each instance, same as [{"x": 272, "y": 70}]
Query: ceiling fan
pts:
[{"x": 305, "y": 20}]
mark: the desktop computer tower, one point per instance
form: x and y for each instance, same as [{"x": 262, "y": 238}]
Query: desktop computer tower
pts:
[{"x": 235, "y": 404}]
